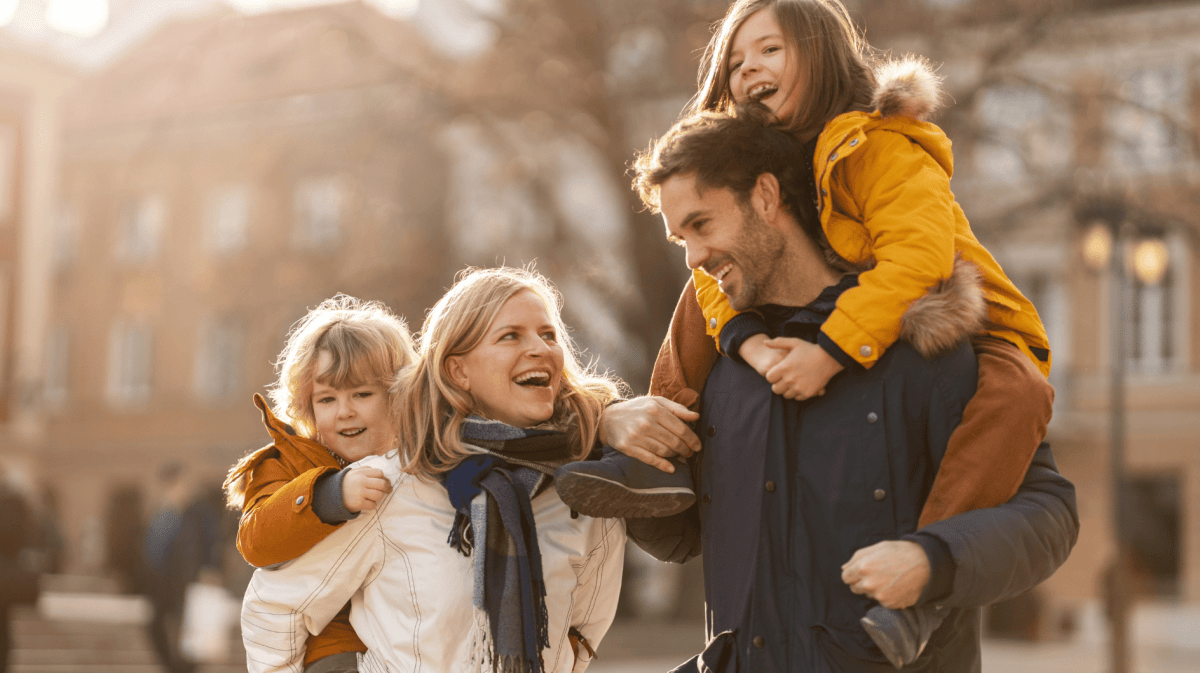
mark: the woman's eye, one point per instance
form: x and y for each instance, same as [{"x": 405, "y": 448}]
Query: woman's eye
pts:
[{"x": 508, "y": 335}]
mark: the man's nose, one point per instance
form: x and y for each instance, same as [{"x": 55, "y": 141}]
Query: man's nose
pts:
[{"x": 697, "y": 255}]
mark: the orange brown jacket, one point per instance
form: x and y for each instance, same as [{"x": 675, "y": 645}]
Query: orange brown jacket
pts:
[{"x": 278, "y": 523}]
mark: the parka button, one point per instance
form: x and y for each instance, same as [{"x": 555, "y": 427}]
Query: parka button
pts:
[
  {"x": 853, "y": 142},
  {"x": 712, "y": 323},
  {"x": 705, "y": 499},
  {"x": 759, "y": 641},
  {"x": 872, "y": 417},
  {"x": 300, "y": 500},
  {"x": 770, "y": 487},
  {"x": 865, "y": 351},
  {"x": 823, "y": 192},
  {"x": 833, "y": 156},
  {"x": 712, "y": 431},
  {"x": 880, "y": 494}
]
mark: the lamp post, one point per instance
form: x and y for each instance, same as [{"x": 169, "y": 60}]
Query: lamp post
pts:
[{"x": 1104, "y": 245}]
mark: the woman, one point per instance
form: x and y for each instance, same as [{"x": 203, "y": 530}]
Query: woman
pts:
[{"x": 472, "y": 562}]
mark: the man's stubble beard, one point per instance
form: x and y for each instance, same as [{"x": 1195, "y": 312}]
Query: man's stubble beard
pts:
[{"x": 757, "y": 251}]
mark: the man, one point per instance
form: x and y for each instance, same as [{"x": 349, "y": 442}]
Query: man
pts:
[{"x": 808, "y": 510}]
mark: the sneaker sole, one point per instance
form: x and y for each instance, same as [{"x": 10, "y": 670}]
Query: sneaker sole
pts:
[
  {"x": 890, "y": 648},
  {"x": 605, "y": 499}
]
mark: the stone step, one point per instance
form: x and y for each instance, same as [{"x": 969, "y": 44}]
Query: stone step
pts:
[{"x": 79, "y": 657}]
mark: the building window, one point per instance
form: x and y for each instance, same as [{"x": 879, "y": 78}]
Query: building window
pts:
[
  {"x": 66, "y": 237},
  {"x": 1024, "y": 133},
  {"x": 1145, "y": 135},
  {"x": 317, "y": 206},
  {"x": 57, "y": 367},
  {"x": 141, "y": 228},
  {"x": 226, "y": 211},
  {"x": 130, "y": 364},
  {"x": 1158, "y": 325},
  {"x": 220, "y": 358}
]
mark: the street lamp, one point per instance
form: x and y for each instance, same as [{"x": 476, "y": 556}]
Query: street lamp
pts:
[{"x": 1104, "y": 246}]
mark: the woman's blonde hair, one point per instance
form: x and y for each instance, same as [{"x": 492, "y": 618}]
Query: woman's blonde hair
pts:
[
  {"x": 432, "y": 407},
  {"x": 836, "y": 60},
  {"x": 367, "y": 344}
]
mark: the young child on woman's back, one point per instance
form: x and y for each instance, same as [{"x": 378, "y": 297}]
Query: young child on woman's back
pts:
[
  {"x": 336, "y": 378},
  {"x": 878, "y": 178}
]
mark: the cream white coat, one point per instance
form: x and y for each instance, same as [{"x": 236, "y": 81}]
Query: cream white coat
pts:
[{"x": 411, "y": 593}]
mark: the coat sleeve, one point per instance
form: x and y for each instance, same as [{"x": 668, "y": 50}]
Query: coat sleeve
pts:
[
  {"x": 595, "y": 599},
  {"x": 908, "y": 212},
  {"x": 278, "y": 523},
  {"x": 283, "y": 606},
  {"x": 1004, "y": 551}
]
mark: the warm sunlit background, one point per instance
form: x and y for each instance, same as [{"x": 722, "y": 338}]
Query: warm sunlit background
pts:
[{"x": 181, "y": 179}]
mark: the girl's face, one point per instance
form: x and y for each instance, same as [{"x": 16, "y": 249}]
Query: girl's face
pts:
[
  {"x": 765, "y": 68},
  {"x": 352, "y": 422},
  {"x": 515, "y": 372}
]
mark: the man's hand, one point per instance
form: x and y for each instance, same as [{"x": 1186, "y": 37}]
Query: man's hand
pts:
[
  {"x": 650, "y": 429},
  {"x": 363, "y": 488},
  {"x": 757, "y": 354},
  {"x": 804, "y": 370},
  {"x": 893, "y": 572}
]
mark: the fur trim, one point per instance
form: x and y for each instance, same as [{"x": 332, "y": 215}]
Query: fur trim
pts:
[
  {"x": 908, "y": 87},
  {"x": 951, "y": 311}
]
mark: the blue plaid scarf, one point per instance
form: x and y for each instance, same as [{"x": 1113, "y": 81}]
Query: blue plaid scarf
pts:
[{"x": 491, "y": 494}]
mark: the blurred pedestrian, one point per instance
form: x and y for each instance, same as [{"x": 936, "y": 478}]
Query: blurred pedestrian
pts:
[
  {"x": 180, "y": 543},
  {"x": 125, "y": 531},
  {"x": 18, "y": 582}
]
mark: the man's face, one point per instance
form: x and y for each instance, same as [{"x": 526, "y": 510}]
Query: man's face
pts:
[{"x": 728, "y": 240}]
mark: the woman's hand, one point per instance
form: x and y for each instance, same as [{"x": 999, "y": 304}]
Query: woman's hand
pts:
[
  {"x": 650, "y": 429},
  {"x": 363, "y": 488}
]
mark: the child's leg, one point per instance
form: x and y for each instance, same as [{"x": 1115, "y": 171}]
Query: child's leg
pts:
[
  {"x": 1002, "y": 426},
  {"x": 687, "y": 353},
  {"x": 618, "y": 486}
]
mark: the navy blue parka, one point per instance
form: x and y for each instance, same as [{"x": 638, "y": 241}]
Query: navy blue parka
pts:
[{"x": 788, "y": 491}]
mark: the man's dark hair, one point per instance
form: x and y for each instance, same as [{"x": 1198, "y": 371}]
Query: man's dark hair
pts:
[{"x": 730, "y": 151}]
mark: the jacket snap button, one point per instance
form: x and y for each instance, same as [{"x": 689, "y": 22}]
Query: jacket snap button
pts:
[
  {"x": 770, "y": 487},
  {"x": 705, "y": 499},
  {"x": 872, "y": 417},
  {"x": 833, "y": 156},
  {"x": 712, "y": 323},
  {"x": 853, "y": 142},
  {"x": 759, "y": 641},
  {"x": 823, "y": 192},
  {"x": 712, "y": 432},
  {"x": 865, "y": 351},
  {"x": 300, "y": 500},
  {"x": 880, "y": 494}
]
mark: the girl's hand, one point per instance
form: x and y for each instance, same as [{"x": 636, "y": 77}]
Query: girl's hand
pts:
[
  {"x": 804, "y": 370},
  {"x": 757, "y": 354},
  {"x": 363, "y": 488}
]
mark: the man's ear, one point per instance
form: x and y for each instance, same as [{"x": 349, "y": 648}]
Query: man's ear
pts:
[
  {"x": 457, "y": 370},
  {"x": 766, "y": 197}
]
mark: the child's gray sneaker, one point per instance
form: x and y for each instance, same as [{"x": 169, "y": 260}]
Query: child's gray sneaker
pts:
[
  {"x": 902, "y": 634},
  {"x": 620, "y": 487}
]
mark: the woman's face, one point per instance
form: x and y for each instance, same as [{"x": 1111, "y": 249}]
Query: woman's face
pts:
[
  {"x": 352, "y": 422},
  {"x": 762, "y": 66},
  {"x": 515, "y": 372}
]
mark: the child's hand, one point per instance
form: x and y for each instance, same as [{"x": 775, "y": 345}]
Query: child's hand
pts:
[
  {"x": 804, "y": 370},
  {"x": 757, "y": 354},
  {"x": 363, "y": 488}
]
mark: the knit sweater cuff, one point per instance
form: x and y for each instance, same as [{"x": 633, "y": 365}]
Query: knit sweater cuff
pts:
[
  {"x": 740, "y": 328},
  {"x": 327, "y": 499}
]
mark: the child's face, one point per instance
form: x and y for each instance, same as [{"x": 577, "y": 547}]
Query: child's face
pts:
[
  {"x": 353, "y": 422},
  {"x": 765, "y": 68},
  {"x": 515, "y": 372}
]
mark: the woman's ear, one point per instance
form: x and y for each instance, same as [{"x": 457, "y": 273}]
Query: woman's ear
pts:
[{"x": 456, "y": 369}]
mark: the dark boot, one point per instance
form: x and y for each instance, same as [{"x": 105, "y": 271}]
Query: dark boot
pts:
[
  {"x": 902, "y": 634},
  {"x": 620, "y": 487}
]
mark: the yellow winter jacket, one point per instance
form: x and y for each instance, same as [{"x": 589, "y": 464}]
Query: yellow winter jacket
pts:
[{"x": 883, "y": 182}]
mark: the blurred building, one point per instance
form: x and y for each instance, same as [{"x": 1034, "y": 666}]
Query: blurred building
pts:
[
  {"x": 218, "y": 179},
  {"x": 1066, "y": 114}
]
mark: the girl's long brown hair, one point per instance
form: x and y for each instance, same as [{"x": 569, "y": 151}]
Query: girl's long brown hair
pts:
[
  {"x": 832, "y": 53},
  {"x": 432, "y": 408}
]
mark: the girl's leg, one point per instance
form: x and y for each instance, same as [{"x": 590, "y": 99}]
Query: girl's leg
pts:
[
  {"x": 1003, "y": 424},
  {"x": 687, "y": 353}
]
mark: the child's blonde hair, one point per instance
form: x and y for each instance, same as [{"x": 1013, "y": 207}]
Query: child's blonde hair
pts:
[
  {"x": 836, "y": 61},
  {"x": 432, "y": 407},
  {"x": 367, "y": 343}
]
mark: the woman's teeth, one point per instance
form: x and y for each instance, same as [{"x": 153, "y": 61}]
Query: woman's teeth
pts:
[{"x": 539, "y": 379}]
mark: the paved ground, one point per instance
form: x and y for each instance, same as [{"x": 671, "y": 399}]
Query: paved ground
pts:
[{"x": 639, "y": 647}]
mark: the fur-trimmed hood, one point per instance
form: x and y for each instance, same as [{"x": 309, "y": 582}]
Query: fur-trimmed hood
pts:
[{"x": 908, "y": 87}]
